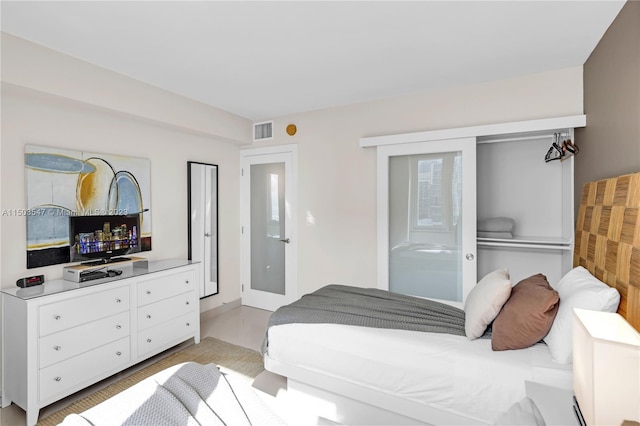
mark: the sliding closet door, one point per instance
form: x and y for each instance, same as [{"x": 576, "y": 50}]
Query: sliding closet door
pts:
[{"x": 427, "y": 218}]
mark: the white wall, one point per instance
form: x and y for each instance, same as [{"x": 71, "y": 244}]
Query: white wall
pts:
[
  {"x": 42, "y": 120},
  {"x": 142, "y": 122},
  {"x": 26, "y": 64},
  {"x": 337, "y": 185}
]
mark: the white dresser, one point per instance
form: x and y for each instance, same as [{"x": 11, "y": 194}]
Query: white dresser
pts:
[{"x": 62, "y": 336}]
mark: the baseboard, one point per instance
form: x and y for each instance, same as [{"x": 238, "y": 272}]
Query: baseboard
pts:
[{"x": 218, "y": 310}]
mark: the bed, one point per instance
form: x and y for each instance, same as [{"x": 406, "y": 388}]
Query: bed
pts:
[{"x": 354, "y": 374}]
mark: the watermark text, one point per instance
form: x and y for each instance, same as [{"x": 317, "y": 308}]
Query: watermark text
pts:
[{"x": 49, "y": 212}]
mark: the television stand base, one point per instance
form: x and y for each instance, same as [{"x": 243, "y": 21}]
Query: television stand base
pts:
[{"x": 75, "y": 273}]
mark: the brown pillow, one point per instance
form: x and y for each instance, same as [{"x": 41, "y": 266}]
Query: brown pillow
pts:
[{"x": 527, "y": 316}]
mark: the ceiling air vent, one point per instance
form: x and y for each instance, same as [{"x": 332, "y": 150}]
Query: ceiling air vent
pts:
[{"x": 263, "y": 131}]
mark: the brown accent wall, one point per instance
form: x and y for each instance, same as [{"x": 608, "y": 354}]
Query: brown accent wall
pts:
[{"x": 610, "y": 143}]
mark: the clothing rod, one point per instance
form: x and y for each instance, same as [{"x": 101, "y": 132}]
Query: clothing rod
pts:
[
  {"x": 523, "y": 245},
  {"x": 524, "y": 138}
]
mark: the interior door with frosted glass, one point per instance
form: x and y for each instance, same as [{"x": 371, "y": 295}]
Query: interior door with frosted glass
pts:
[
  {"x": 428, "y": 236},
  {"x": 268, "y": 235}
]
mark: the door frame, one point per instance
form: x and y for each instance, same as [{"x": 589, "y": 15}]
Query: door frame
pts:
[
  {"x": 468, "y": 148},
  {"x": 255, "y": 298}
]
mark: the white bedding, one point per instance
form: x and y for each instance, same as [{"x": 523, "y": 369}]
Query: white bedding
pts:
[{"x": 442, "y": 371}]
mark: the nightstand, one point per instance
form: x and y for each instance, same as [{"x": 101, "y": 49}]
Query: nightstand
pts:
[{"x": 555, "y": 404}]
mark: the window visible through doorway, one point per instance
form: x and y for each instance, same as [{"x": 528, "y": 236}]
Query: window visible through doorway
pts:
[
  {"x": 274, "y": 206},
  {"x": 436, "y": 185}
]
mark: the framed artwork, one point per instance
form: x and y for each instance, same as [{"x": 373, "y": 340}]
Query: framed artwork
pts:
[{"x": 61, "y": 183}]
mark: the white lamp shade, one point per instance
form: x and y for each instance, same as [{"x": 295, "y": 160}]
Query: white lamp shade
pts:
[{"x": 606, "y": 367}]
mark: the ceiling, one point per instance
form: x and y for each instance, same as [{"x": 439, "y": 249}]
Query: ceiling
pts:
[{"x": 267, "y": 59}]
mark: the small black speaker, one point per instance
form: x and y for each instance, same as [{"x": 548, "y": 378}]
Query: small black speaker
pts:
[{"x": 30, "y": 281}]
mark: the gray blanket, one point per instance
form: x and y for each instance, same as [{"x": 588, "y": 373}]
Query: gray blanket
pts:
[
  {"x": 369, "y": 307},
  {"x": 187, "y": 394}
]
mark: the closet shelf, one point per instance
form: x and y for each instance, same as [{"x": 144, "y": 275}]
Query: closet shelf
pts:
[{"x": 549, "y": 243}]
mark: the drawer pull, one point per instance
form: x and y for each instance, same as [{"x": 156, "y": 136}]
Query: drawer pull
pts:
[
  {"x": 57, "y": 348},
  {"x": 188, "y": 324},
  {"x": 148, "y": 291},
  {"x": 186, "y": 281},
  {"x": 148, "y": 340},
  {"x": 187, "y": 302},
  {"x": 118, "y": 353},
  {"x": 118, "y": 327},
  {"x": 57, "y": 379},
  {"x": 148, "y": 316},
  {"x": 118, "y": 301},
  {"x": 56, "y": 317}
]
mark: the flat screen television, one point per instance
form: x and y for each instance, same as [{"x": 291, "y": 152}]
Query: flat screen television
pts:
[{"x": 103, "y": 237}]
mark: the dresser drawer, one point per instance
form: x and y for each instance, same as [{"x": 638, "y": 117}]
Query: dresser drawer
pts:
[
  {"x": 166, "y": 309},
  {"x": 69, "y": 313},
  {"x": 74, "y": 341},
  {"x": 152, "y": 290},
  {"x": 162, "y": 334},
  {"x": 66, "y": 376}
]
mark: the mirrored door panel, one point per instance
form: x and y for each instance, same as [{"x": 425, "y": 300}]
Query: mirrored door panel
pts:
[{"x": 203, "y": 223}]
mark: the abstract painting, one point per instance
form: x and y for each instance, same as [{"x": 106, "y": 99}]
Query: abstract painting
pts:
[{"x": 61, "y": 183}]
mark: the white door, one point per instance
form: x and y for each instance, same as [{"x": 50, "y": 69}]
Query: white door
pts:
[
  {"x": 269, "y": 227},
  {"x": 427, "y": 218}
]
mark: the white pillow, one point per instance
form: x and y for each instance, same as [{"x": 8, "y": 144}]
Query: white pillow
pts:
[
  {"x": 577, "y": 289},
  {"x": 485, "y": 301}
]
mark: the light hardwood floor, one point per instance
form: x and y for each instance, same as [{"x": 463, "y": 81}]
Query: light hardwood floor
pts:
[{"x": 242, "y": 326}]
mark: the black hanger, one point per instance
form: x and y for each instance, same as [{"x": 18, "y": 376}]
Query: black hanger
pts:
[
  {"x": 569, "y": 146},
  {"x": 555, "y": 152},
  {"x": 561, "y": 150}
]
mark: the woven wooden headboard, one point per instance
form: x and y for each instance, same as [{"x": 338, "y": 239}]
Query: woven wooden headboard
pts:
[{"x": 608, "y": 238}]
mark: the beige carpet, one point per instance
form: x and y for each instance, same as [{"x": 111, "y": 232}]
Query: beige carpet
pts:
[{"x": 210, "y": 350}]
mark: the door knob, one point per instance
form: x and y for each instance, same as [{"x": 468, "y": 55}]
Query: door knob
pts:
[
  {"x": 286, "y": 240},
  {"x": 469, "y": 256}
]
